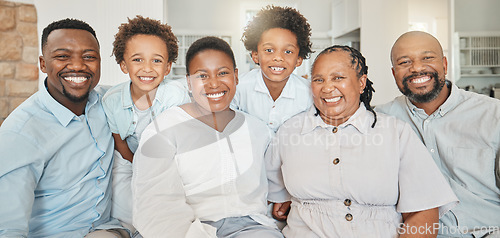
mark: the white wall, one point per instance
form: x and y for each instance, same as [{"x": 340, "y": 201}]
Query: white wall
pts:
[
  {"x": 222, "y": 16},
  {"x": 104, "y": 17},
  {"x": 477, "y": 15},
  {"x": 382, "y": 22}
]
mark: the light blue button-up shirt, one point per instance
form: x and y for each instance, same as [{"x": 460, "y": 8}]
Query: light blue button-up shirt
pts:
[
  {"x": 252, "y": 97},
  {"x": 463, "y": 137},
  {"x": 55, "y": 169},
  {"x": 119, "y": 106}
]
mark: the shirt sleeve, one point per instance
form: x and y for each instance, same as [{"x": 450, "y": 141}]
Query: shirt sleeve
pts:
[
  {"x": 421, "y": 184},
  {"x": 108, "y": 109},
  {"x": 277, "y": 191},
  {"x": 159, "y": 201},
  {"x": 20, "y": 170}
]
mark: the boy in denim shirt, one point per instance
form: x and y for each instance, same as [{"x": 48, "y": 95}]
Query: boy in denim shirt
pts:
[{"x": 145, "y": 49}]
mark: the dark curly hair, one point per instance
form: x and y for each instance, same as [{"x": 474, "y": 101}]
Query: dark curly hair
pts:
[
  {"x": 278, "y": 17},
  {"x": 67, "y": 23},
  {"x": 358, "y": 61},
  {"x": 145, "y": 26},
  {"x": 208, "y": 43}
]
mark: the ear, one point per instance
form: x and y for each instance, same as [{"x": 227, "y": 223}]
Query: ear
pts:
[
  {"x": 236, "y": 80},
  {"x": 255, "y": 57},
  {"x": 43, "y": 67},
  {"x": 445, "y": 65},
  {"x": 188, "y": 82},
  {"x": 123, "y": 67},
  {"x": 299, "y": 62},
  {"x": 362, "y": 83},
  {"x": 393, "y": 73},
  {"x": 167, "y": 70}
]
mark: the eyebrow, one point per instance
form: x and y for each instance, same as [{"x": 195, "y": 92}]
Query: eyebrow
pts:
[
  {"x": 68, "y": 50},
  {"x": 288, "y": 45},
  {"x": 139, "y": 54}
]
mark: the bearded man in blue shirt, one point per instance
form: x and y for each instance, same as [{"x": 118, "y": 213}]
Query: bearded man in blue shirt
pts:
[
  {"x": 56, "y": 148},
  {"x": 460, "y": 129}
]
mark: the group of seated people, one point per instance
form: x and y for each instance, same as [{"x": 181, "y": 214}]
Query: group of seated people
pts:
[{"x": 233, "y": 155}]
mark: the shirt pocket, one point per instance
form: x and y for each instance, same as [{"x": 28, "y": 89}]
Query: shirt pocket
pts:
[{"x": 473, "y": 168}]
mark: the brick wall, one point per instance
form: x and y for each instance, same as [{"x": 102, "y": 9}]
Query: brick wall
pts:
[{"x": 18, "y": 55}]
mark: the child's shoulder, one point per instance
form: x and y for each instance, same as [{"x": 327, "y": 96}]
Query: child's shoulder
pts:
[{"x": 116, "y": 90}]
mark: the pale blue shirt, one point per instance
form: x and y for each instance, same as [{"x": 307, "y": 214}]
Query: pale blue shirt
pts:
[
  {"x": 463, "y": 136},
  {"x": 252, "y": 97},
  {"x": 55, "y": 169},
  {"x": 119, "y": 107}
]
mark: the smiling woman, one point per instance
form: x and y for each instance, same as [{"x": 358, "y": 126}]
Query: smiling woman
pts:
[
  {"x": 364, "y": 174},
  {"x": 210, "y": 158}
]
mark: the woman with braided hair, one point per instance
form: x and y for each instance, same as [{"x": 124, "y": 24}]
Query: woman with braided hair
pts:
[{"x": 347, "y": 171}]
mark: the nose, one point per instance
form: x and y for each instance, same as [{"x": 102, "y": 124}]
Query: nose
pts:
[
  {"x": 278, "y": 56},
  {"x": 76, "y": 64},
  {"x": 147, "y": 67},
  {"x": 328, "y": 86},
  {"x": 417, "y": 66},
  {"x": 213, "y": 82}
]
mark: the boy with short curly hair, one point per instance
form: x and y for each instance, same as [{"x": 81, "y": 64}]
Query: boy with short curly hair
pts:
[
  {"x": 279, "y": 40},
  {"x": 145, "y": 50}
]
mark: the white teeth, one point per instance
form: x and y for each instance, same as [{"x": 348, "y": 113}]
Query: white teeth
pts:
[
  {"x": 277, "y": 68},
  {"x": 146, "y": 78},
  {"x": 76, "y": 79},
  {"x": 334, "y": 99},
  {"x": 215, "y": 95},
  {"x": 421, "y": 79}
]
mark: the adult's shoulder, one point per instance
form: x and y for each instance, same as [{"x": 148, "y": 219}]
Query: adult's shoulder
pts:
[
  {"x": 396, "y": 105},
  {"x": 24, "y": 114}
]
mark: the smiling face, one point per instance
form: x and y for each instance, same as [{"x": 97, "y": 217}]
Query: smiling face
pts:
[
  {"x": 212, "y": 79},
  {"x": 419, "y": 66},
  {"x": 336, "y": 87},
  {"x": 72, "y": 63},
  {"x": 277, "y": 54},
  {"x": 146, "y": 61}
]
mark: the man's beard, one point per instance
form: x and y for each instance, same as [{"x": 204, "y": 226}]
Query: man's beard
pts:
[
  {"x": 74, "y": 98},
  {"x": 426, "y": 97}
]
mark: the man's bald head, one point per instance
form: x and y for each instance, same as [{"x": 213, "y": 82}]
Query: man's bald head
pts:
[{"x": 415, "y": 39}]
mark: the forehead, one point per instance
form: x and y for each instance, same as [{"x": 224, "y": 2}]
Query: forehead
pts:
[
  {"x": 333, "y": 60},
  {"x": 211, "y": 59},
  {"x": 64, "y": 38},
  {"x": 414, "y": 45},
  {"x": 278, "y": 35}
]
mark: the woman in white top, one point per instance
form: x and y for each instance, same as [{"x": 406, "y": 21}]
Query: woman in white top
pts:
[
  {"x": 348, "y": 171},
  {"x": 199, "y": 170}
]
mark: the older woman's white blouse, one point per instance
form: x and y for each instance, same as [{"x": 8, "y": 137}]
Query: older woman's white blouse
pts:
[
  {"x": 185, "y": 172},
  {"x": 382, "y": 166}
]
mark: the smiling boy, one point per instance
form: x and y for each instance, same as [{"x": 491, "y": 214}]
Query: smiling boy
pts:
[{"x": 279, "y": 40}]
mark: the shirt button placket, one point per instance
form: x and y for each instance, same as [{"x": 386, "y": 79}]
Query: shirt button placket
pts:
[{"x": 348, "y": 203}]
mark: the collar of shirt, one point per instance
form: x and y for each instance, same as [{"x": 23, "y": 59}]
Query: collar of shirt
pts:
[
  {"x": 448, "y": 105},
  {"x": 288, "y": 90},
  {"x": 360, "y": 120},
  {"x": 63, "y": 114},
  {"x": 127, "y": 95}
]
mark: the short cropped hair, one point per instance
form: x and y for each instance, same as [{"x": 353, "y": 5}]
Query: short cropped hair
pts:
[
  {"x": 67, "y": 23},
  {"x": 144, "y": 26},
  {"x": 279, "y": 17},
  {"x": 208, "y": 43}
]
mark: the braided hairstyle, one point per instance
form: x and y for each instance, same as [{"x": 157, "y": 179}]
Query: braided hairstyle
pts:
[{"x": 359, "y": 61}]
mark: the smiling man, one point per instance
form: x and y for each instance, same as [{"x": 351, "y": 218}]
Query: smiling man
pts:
[
  {"x": 56, "y": 148},
  {"x": 460, "y": 129}
]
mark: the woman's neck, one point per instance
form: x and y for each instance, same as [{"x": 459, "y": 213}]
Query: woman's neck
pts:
[{"x": 217, "y": 120}]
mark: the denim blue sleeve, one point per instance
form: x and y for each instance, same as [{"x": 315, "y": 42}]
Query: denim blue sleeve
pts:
[{"x": 21, "y": 168}]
